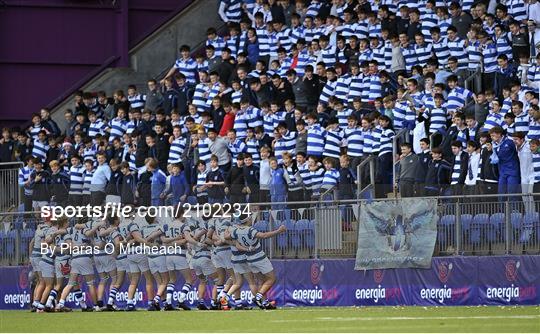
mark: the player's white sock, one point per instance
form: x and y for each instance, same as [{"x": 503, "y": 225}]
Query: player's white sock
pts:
[
  {"x": 150, "y": 302},
  {"x": 170, "y": 291},
  {"x": 258, "y": 296},
  {"x": 35, "y": 303},
  {"x": 61, "y": 303},
  {"x": 183, "y": 293},
  {"x": 219, "y": 290},
  {"x": 157, "y": 299},
  {"x": 79, "y": 298},
  {"x": 130, "y": 302},
  {"x": 40, "y": 306},
  {"x": 51, "y": 298},
  {"x": 112, "y": 296}
]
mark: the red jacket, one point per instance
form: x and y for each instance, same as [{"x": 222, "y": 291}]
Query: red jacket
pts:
[{"x": 228, "y": 123}]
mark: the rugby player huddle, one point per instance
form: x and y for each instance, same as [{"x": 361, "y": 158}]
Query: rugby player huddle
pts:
[{"x": 222, "y": 252}]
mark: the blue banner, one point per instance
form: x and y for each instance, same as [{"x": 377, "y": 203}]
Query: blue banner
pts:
[
  {"x": 396, "y": 234},
  {"x": 489, "y": 280}
]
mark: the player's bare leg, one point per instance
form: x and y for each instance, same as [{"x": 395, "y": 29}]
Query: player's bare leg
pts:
[
  {"x": 221, "y": 275},
  {"x": 115, "y": 286},
  {"x": 162, "y": 279},
  {"x": 38, "y": 290},
  {"x": 186, "y": 288},
  {"x": 103, "y": 279},
  {"x": 91, "y": 288},
  {"x": 260, "y": 298},
  {"x": 171, "y": 285},
  {"x": 72, "y": 283},
  {"x": 49, "y": 283},
  {"x": 203, "y": 281},
  {"x": 149, "y": 283},
  {"x": 53, "y": 294},
  {"x": 133, "y": 282}
]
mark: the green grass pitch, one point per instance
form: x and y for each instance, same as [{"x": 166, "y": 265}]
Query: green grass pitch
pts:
[{"x": 315, "y": 319}]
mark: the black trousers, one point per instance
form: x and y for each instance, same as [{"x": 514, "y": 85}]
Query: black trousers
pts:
[
  {"x": 97, "y": 198},
  {"x": 406, "y": 188}
]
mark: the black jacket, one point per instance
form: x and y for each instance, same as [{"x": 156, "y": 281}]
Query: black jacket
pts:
[
  {"x": 235, "y": 180},
  {"x": 115, "y": 182},
  {"x": 438, "y": 174},
  {"x": 59, "y": 187},
  {"x": 488, "y": 171},
  {"x": 6, "y": 151},
  {"x": 128, "y": 188},
  {"x": 144, "y": 189},
  {"x": 41, "y": 191}
]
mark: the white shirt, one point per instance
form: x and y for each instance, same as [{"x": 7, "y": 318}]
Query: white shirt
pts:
[
  {"x": 525, "y": 164},
  {"x": 265, "y": 175},
  {"x": 474, "y": 161}
]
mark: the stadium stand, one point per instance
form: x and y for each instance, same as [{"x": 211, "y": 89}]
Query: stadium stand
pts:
[{"x": 283, "y": 106}]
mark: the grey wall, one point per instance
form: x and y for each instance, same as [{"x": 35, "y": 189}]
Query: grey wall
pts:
[{"x": 156, "y": 54}]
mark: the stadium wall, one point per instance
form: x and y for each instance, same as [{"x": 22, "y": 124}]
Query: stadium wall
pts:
[
  {"x": 52, "y": 44},
  {"x": 451, "y": 281}
]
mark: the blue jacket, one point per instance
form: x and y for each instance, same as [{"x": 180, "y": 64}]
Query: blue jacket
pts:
[
  {"x": 508, "y": 158},
  {"x": 278, "y": 186},
  {"x": 159, "y": 179},
  {"x": 179, "y": 186}
]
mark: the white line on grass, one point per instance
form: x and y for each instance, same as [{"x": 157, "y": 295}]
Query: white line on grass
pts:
[{"x": 413, "y": 318}]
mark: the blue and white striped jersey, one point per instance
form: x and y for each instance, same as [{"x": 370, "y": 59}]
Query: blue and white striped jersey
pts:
[
  {"x": 137, "y": 101},
  {"x": 236, "y": 147},
  {"x": 203, "y": 147},
  {"x": 218, "y": 43},
  {"x": 355, "y": 141},
  {"x": 95, "y": 128},
  {"x": 187, "y": 67},
  {"x": 24, "y": 176},
  {"x": 286, "y": 143},
  {"x": 178, "y": 146},
  {"x": 315, "y": 140},
  {"x": 441, "y": 50},
  {"x": 385, "y": 146},
  {"x": 40, "y": 149},
  {"x": 76, "y": 179},
  {"x": 334, "y": 141},
  {"x": 458, "y": 50},
  {"x": 330, "y": 179},
  {"x": 117, "y": 128}
]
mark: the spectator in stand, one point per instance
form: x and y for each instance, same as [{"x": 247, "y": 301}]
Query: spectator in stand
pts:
[
  {"x": 215, "y": 182},
  {"x": 100, "y": 177},
  {"x": 438, "y": 174},
  {"x": 114, "y": 185},
  {"x": 408, "y": 162},
  {"x": 177, "y": 188},
  {"x": 236, "y": 181},
  {"x": 526, "y": 168},
  {"x": 506, "y": 158},
  {"x": 471, "y": 184},
  {"x": 460, "y": 163},
  {"x": 129, "y": 185},
  {"x": 252, "y": 178},
  {"x": 40, "y": 183},
  {"x": 265, "y": 72},
  {"x": 59, "y": 184}
]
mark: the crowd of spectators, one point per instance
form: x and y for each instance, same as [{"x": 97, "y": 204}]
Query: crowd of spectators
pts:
[{"x": 294, "y": 95}]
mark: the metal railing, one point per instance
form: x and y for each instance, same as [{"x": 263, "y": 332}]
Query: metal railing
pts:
[
  {"x": 467, "y": 225},
  {"x": 11, "y": 193},
  {"x": 369, "y": 162},
  {"x": 474, "y": 81}
]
